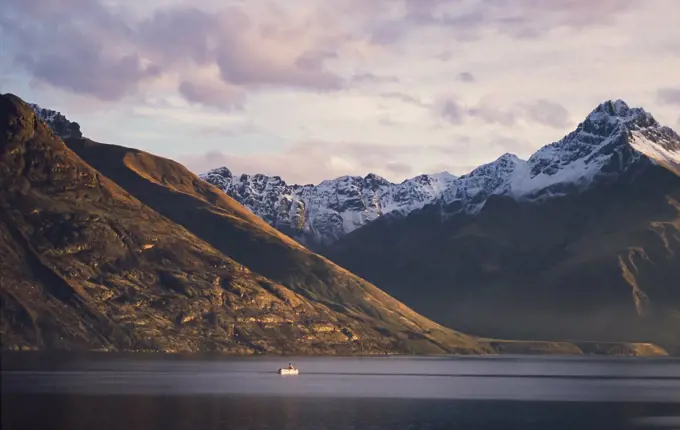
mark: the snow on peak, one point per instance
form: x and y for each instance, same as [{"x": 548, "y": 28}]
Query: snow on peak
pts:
[
  {"x": 612, "y": 138},
  {"x": 473, "y": 189}
]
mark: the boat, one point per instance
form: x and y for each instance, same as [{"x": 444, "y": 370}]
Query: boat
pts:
[{"x": 290, "y": 370}]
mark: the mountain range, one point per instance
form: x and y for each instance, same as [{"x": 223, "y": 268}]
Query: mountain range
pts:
[
  {"x": 580, "y": 241},
  {"x": 319, "y": 215}
]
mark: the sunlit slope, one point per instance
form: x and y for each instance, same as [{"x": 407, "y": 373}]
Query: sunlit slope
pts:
[{"x": 123, "y": 250}]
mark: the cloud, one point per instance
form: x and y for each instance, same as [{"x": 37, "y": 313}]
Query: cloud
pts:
[
  {"x": 491, "y": 114},
  {"x": 370, "y": 78},
  {"x": 467, "y": 21},
  {"x": 244, "y": 67},
  {"x": 575, "y": 13},
  {"x": 400, "y": 169},
  {"x": 229, "y": 130},
  {"x": 444, "y": 56},
  {"x": 74, "y": 54},
  {"x": 96, "y": 48},
  {"x": 451, "y": 111},
  {"x": 386, "y": 119},
  {"x": 465, "y": 77},
  {"x": 327, "y": 160},
  {"x": 502, "y": 144},
  {"x": 405, "y": 98},
  {"x": 108, "y": 79},
  {"x": 322, "y": 160},
  {"x": 541, "y": 111},
  {"x": 216, "y": 94},
  {"x": 670, "y": 96},
  {"x": 87, "y": 47},
  {"x": 547, "y": 113},
  {"x": 456, "y": 113}
]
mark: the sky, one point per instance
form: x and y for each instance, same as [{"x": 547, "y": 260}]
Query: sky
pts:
[{"x": 315, "y": 89}]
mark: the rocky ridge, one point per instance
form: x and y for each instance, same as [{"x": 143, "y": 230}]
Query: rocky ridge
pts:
[
  {"x": 320, "y": 214},
  {"x": 57, "y": 122}
]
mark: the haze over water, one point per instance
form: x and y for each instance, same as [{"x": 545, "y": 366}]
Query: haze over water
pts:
[{"x": 172, "y": 392}]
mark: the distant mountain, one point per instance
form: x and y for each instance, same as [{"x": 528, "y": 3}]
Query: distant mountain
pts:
[
  {"x": 321, "y": 214},
  {"x": 105, "y": 247},
  {"x": 581, "y": 241}
]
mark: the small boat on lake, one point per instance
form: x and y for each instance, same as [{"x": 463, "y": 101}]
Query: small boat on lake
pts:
[{"x": 290, "y": 370}]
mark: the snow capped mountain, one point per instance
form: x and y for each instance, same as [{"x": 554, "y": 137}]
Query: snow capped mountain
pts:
[
  {"x": 613, "y": 139},
  {"x": 320, "y": 214},
  {"x": 57, "y": 122}
]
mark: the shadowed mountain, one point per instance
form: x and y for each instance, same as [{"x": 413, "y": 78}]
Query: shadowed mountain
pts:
[
  {"x": 114, "y": 248},
  {"x": 580, "y": 242}
]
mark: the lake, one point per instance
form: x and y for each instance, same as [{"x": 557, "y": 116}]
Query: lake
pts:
[{"x": 149, "y": 391}]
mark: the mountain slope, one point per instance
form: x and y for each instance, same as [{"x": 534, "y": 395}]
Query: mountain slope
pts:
[
  {"x": 579, "y": 242},
  {"x": 133, "y": 252},
  {"x": 320, "y": 214}
]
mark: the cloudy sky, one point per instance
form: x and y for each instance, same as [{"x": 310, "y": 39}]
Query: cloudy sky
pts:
[{"x": 314, "y": 89}]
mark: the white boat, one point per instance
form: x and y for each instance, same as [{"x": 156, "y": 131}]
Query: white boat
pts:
[{"x": 288, "y": 371}]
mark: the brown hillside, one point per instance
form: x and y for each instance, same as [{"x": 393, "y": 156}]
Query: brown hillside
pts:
[{"x": 123, "y": 250}]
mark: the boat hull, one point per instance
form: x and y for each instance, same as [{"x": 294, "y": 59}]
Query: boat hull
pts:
[{"x": 288, "y": 371}]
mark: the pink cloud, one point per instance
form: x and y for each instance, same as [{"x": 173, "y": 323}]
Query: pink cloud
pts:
[
  {"x": 88, "y": 48},
  {"x": 669, "y": 96},
  {"x": 212, "y": 93}
]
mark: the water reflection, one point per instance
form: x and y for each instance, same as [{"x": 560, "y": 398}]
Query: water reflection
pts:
[
  {"x": 78, "y": 412},
  {"x": 133, "y": 393}
]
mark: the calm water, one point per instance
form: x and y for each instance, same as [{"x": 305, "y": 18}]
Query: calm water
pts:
[{"x": 170, "y": 392}]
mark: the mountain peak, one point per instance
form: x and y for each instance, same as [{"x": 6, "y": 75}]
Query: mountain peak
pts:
[
  {"x": 508, "y": 157},
  {"x": 617, "y": 111},
  {"x": 14, "y": 113},
  {"x": 18, "y": 119},
  {"x": 372, "y": 177},
  {"x": 222, "y": 171},
  {"x": 614, "y": 107}
]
